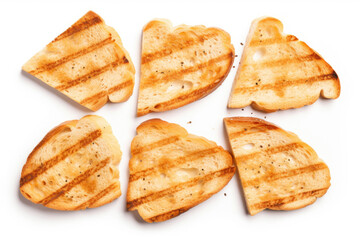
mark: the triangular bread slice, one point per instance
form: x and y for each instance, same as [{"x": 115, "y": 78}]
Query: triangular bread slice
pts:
[
  {"x": 277, "y": 71},
  {"x": 74, "y": 167},
  {"x": 87, "y": 63},
  {"x": 180, "y": 65},
  {"x": 171, "y": 171},
  {"x": 277, "y": 170}
]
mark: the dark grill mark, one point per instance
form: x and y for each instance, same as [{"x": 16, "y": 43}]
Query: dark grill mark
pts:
[
  {"x": 59, "y": 157},
  {"x": 74, "y": 182}
]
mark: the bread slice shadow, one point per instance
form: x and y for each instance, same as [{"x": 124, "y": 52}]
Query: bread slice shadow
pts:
[
  {"x": 56, "y": 92},
  {"x": 135, "y": 214},
  {"x": 38, "y": 207}
]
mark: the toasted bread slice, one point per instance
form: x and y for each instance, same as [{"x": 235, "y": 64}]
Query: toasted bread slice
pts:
[
  {"x": 87, "y": 63},
  {"x": 171, "y": 171},
  {"x": 277, "y": 71},
  {"x": 181, "y": 64},
  {"x": 277, "y": 170},
  {"x": 74, "y": 167}
]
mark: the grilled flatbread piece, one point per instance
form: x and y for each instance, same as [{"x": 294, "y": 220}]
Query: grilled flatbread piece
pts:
[
  {"x": 277, "y": 170},
  {"x": 180, "y": 65},
  {"x": 171, "y": 171},
  {"x": 87, "y": 63},
  {"x": 277, "y": 71},
  {"x": 74, "y": 167}
]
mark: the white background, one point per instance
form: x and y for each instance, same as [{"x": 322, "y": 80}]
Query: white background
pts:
[{"x": 30, "y": 109}]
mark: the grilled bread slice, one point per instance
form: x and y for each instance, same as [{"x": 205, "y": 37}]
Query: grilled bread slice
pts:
[
  {"x": 74, "y": 167},
  {"x": 87, "y": 63},
  {"x": 277, "y": 170},
  {"x": 277, "y": 71},
  {"x": 171, "y": 171},
  {"x": 180, "y": 65}
]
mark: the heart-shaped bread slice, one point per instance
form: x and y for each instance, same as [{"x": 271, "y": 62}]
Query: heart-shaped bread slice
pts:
[
  {"x": 277, "y": 170},
  {"x": 87, "y": 63},
  {"x": 277, "y": 71},
  {"x": 181, "y": 64},
  {"x": 74, "y": 167},
  {"x": 171, "y": 171}
]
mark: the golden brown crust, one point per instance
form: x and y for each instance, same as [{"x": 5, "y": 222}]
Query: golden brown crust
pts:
[
  {"x": 48, "y": 136},
  {"x": 88, "y": 20},
  {"x": 86, "y": 63},
  {"x": 181, "y": 64},
  {"x": 277, "y": 204},
  {"x": 171, "y": 171},
  {"x": 95, "y": 98},
  {"x": 277, "y": 170},
  {"x": 279, "y": 72}
]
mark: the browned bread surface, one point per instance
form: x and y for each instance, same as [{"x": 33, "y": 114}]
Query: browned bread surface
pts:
[
  {"x": 277, "y": 71},
  {"x": 181, "y": 64},
  {"x": 171, "y": 171},
  {"x": 277, "y": 170},
  {"x": 87, "y": 63},
  {"x": 74, "y": 167}
]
